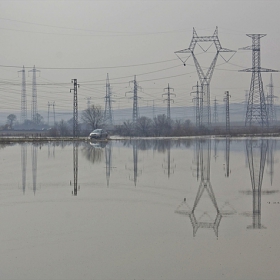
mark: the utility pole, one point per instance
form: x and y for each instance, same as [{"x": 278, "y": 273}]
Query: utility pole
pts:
[
  {"x": 135, "y": 111},
  {"x": 256, "y": 113},
  {"x": 34, "y": 109},
  {"x": 204, "y": 78},
  {"x": 168, "y": 101},
  {"x": 75, "y": 107},
  {"x": 215, "y": 116},
  {"x": 108, "y": 104},
  {"x": 226, "y": 99},
  {"x": 23, "y": 113},
  {"x": 197, "y": 99}
]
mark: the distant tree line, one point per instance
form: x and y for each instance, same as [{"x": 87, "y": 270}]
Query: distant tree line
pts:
[{"x": 159, "y": 126}]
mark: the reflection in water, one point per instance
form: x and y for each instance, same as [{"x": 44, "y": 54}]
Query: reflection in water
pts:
[
  {"x": 108, "y": 159},
  {"x": 270, "y": 159},
  {"x": 34, "y": 149},
  {"x": 205, "y": 220},
  {"x": 215, "y": 149},
  {"x": 256, "y": 155},
  {"x": 93, "y": 151},
  {"x": 168, "y": 166},
  {"x": 196, "y": 161},
  {"x": 23, "y": 165},
  {"x": 75, "y": 166},
  {"x": 227, "y": 170},
  {"x": 135, "y": 161},
  {"x": 135, "y": 146},
  {"x": 49, "y": 149}
]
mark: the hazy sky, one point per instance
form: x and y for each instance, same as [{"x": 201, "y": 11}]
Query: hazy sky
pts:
[{"x": 88, "y": 39}]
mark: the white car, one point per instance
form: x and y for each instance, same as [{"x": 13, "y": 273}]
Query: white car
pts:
[{"x": 98, "y": 134}]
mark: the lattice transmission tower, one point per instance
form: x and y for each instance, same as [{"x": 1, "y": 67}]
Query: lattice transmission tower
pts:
[
  {"x": 23, "y": 111},
  {"x": 108, "y": 116},
  {"x": 197, "y": 100},
  {"x": 135, "y": 111},
  {"x": 215, "y": 113},
  {"x": 168, "y": 99},
  {"x": 205, "y": 78},
  {"x": 75, "y": 107},
  {"x": 226, "y": 99},
  {"x": 34, "y": 109},
  {"x": 271, "y": 113},
  {"x": 256, "y": 113}
]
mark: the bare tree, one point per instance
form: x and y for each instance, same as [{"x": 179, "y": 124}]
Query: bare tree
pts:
[
  {"x": 161, "y": 125},
  {"x": 63, "y": 128},
  {"x": 143, "y": 126},
  {"x": 11, "y": 119},
  {"x": 93, "y": 116}
]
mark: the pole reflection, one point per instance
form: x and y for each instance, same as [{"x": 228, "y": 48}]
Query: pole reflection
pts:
[
  {"x": 23, "y": 165},
  {"x": 256, "y": 156},
  {"x": 34, "y": 149},
  {"x": 168, "y": 168},
  {"x": 75, "y": 167},
  {"x": 108, "y": 159}
]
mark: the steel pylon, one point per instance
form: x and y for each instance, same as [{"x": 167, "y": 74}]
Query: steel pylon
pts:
[
  {"x": 23, "y": 112},
  {"x": 34, "y": 109},
  {"x": 108, "y": 116},
  {"x": 205, "y": 78},
  {"x": 256, "y": 114}
]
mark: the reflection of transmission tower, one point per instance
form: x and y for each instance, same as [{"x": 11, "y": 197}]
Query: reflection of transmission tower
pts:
[
  {"x": 49, "y": 150},
  {"x": 34, "y": 166},
  {"x": 108, "y": 159},
  {"x": 196, "y": 160},
  {"x": 205, "y": 185},
  {"x": 271, "y": 113},
  {"x": 34, "y": 109},
  {"x": 205, "y": 78},
  {"x": 23, "y": 165},
  {"x": 75, "y": 167},
  {"x": 168, "y": 93},
  {"x": 270, "y": 158},
  {"x": 256, "y": 113},
  {"x": 108, "y": 117},
  {"x": 256, "y": 155},
  {"x": 169, "y": 167},
  {"x": 227, "y": 172},
  {"x": 23, "y": 112},
  {"x": 135, "y": 161}
]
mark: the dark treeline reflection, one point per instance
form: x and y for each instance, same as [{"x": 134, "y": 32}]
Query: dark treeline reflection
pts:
[{"x": 159, "y": 145}]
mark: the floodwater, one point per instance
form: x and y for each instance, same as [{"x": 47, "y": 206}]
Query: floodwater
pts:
[{"x": 141, "y": 209}]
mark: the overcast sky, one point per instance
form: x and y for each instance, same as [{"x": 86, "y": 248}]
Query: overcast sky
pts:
[{"x": 88, "y": 39}]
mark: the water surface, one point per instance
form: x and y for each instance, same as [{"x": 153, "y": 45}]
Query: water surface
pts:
[{"x": 141, "y": 209}]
